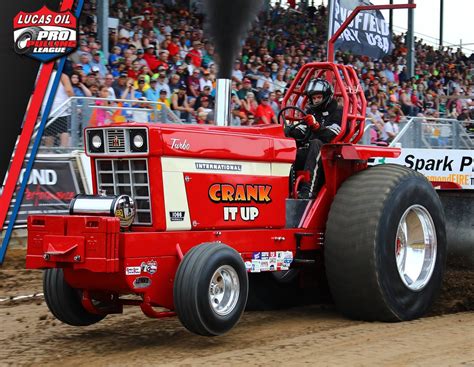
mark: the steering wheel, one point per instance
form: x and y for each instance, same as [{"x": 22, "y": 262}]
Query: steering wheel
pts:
[{"x": 295, "y": 130}]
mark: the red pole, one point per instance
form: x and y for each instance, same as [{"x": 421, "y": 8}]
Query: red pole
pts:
[{"x": 349, "y": 19}]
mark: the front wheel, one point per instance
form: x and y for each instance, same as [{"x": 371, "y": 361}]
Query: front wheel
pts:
[
  {"x": 385, "y": 247},
  {"x": 210, "y": 289}
]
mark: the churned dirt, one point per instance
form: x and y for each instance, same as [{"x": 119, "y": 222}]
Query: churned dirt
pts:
[{"x": 314, "y": 335}]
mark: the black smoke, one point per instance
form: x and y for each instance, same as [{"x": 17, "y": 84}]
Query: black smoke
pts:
[{"x": 227, "y": 23}]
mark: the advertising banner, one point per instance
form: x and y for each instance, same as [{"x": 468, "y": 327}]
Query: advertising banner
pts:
[
  {"x": 51, "y": 186},
  {"x": 438, "y": 165},
  {"x": 368, "y": 34}
]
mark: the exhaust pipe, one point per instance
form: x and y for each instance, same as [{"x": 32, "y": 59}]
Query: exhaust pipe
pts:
[{"x": 222, "y": 105}]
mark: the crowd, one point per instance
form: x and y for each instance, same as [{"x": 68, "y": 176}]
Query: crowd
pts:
[{"x": 160, "y": 53}]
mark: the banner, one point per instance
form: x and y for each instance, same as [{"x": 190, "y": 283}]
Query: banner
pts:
[
  {"x": 368, "y": 34},
  {"x": 438, "y": 165},
  {"x": 51, "y": 186}
]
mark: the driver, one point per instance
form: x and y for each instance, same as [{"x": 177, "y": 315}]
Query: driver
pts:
[{"x": 323, "y": 120}]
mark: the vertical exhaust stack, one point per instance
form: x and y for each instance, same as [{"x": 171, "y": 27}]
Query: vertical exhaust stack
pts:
[
  {"x": 222, "y": 104},
  {"x": 227, "y": 23}
]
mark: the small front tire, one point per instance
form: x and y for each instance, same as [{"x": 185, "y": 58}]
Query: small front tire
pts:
[{"x": 210, "y": 289}]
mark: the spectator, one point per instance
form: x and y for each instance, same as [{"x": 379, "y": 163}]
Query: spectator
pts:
[
  {"x": 164, "y": 98},
  {"x": 264, "y": 113},
  {"x": 96, "y": 65},
  {"x": 151, "y": 59},
  {"x": 153, "y": 93},
  {"x": 247, "y": 87},
  {"x": 391, "y": 126},
  {"x": 179, "y": 104},
  {"x": 205, "y": 81},
  {"x": 79, "y": 89},
  {"x": 120, "y": 85}
]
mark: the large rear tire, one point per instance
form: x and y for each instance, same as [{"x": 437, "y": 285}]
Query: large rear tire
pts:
[
  {"x": 210, "y": 289},
  {"x": 64, "y": 302},
  {"x": 385, "y": 247}
]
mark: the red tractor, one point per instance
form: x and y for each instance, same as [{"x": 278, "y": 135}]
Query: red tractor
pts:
[{"x": 182, "y": 214}]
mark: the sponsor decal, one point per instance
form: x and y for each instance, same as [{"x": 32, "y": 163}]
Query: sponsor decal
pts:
[
  {"x": 255, "y": 266},
  {"x": 177, "y": 216},
  {"x": 269, "y": 261},
  {"x": 179, "y": 144},
  {"x": 116, "y": 142},
  {"x": 133, "y": 270},
  {"x": 219, "y": 166},
  {"x": 141, "y": 282},
  {"x": 45, "y": 34},
  {"x": 248, "y": 265},
  {"x": 149, "y": 267}
]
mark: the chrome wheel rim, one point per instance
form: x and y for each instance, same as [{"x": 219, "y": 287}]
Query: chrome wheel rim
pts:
[
  {"x": 415, "y": 247},
  {"x": 224, "y": 290}
]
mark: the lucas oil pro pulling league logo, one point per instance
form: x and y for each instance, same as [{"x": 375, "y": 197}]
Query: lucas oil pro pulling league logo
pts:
[{"x": 44, "y": 35}]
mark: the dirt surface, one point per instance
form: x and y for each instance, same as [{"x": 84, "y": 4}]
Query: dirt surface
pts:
[{"x": 316, "y": 335}]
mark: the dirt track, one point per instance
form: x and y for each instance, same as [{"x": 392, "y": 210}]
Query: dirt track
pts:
[{"x": 315, "y": 335}]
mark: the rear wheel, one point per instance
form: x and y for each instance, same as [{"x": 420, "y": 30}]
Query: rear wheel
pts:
[
  {"x": 385, "y": 246},
  {"x": 64, "y": 302},
  {"x": 210, "y": 289}
]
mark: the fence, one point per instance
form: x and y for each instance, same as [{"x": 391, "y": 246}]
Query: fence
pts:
[{"x": 64, "y": 129}]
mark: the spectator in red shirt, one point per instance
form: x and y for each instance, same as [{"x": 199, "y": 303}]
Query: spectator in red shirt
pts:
[
  {"x": 151, "y": 58},
  {"x": 265, "y": 114},
  {"x": 195, "y": 54},
  {"x": 173, "y": 46}
]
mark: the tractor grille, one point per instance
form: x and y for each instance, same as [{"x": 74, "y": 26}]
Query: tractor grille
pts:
[
  {"x": 127, "y": 177},
  {"x": 116, "y": 140}
]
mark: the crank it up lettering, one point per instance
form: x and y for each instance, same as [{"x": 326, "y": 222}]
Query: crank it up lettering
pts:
[{"x": 228, "y": 193}]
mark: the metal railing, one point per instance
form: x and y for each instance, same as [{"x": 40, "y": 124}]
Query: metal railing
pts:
[
  {"x": 81, "y": 112},
  {"x": 433, "y": 133},
  {"x": 427, "y": 133}
]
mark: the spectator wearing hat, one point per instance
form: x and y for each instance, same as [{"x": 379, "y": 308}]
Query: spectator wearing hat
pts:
[
  {"x": 205, "y": 80},
  {"x": 163, "y": 60},
  {"x": 264, "y": 113},
  {"x": 195, "y": 54},
  {"x": 246, "y": 87},
  {"x": 151, "y": 59},
  {"x": 120, "y": 85},
  {"x": 140, "y": 59},
  {"x": 153, "y": 93},
  {"x": 265, "y": 78},
  {"x": 204, "y": 109},
  {"x": 206, "y": 93},
  {"x": 96, "y": 65},
  {"x": 161, "y": 83},
  {"x": 173, "y": 46}
]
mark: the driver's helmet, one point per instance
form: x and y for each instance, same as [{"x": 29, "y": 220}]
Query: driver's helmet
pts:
[{"x": 319, "y": 86}]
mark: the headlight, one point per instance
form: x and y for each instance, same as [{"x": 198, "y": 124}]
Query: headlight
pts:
[
  {"x": 96, "y": 141},
  {"x": 138, "y": 141}
]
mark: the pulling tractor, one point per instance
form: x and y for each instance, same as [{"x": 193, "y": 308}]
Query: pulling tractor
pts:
[{"x": 182, "y": 214}]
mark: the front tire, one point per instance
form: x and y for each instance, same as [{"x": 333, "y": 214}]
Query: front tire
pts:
[
  {"x": 64, "y": 302},
  {"x": 385, "y": 248},
  {"x": 210, "y": 289}
]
